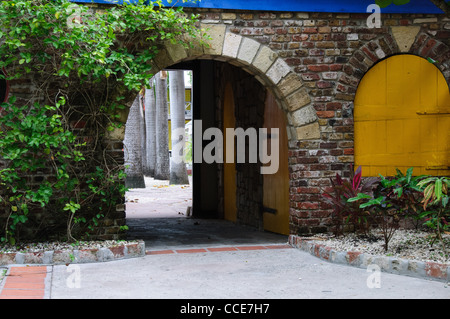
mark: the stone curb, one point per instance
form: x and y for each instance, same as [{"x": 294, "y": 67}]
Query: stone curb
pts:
[
  {"x": 393, "y": 265},
  {"x": 75, "y": 256}
]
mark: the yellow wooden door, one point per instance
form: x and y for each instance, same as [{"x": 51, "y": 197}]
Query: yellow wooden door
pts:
[
  {"x": 229, "y": 169},
  {"x": 276, "y": 186},
  {"x": 402, "y": 118}
]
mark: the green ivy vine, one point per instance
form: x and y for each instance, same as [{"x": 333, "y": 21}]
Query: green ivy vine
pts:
[{"x": 83, "y": 62}]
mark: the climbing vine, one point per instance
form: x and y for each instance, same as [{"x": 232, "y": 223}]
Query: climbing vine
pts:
[{"x": 83, "y": 63}]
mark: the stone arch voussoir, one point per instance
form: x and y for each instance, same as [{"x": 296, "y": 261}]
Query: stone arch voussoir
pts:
[
  {"x": 260, "y": 61},
  {"x": 404, "y": 40}
]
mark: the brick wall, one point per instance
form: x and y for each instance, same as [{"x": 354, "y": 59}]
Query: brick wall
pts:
[
  {"x": 330, "y": 53},
  {"x": 313, "y": 62}
]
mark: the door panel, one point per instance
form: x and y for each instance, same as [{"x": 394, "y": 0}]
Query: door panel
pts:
[
  {"x": 402, "y": 117},
  {"x": 276, "y": 186}
]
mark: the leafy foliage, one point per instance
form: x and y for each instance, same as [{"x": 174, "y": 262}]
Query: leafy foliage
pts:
[
  {"x": 344, "y": 189},
  {"x": 436, "y": 203},
  {"x": 85, "y": 63},
  {"x": 393, "y": 199},
  {"x": 386, "y": 3},
  {"x": 424, "y": 198}
]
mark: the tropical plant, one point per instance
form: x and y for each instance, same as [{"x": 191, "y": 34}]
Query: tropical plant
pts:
[
  {"x": 402, "y": 193},
  {"x": 436, "y": 204},
  {"x": 392, "y": 200},
  {"x": 343, "y": 189}
]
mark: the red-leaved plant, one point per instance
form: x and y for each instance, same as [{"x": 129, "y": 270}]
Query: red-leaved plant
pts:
[{"x": 349, "y": 212}]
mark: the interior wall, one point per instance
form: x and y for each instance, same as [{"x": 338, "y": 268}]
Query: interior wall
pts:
[{"x": 249, "y": 96}]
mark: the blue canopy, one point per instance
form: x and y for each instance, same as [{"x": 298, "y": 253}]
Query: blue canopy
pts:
[{"x": 344, "y": 6}]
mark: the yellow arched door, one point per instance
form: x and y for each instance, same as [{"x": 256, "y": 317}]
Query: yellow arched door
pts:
[
  {"x": 276, "y": 186},
  {"x": 402, "y": 118}
]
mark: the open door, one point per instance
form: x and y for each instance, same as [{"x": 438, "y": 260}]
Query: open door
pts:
[
  {"x": 276, "y": 186},
  {"x": 229, "y": 169}
]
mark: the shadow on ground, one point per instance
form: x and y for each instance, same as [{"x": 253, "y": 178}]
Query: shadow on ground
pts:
[{"x": 157, "y": 215}]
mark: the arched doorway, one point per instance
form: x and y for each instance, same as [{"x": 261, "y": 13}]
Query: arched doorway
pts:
[
  {"x": 224, "y": 96},
  {"x": 290, "y": 99},
  {"x": 275, "y": 184},
  {"x": 402, "y": 116}
]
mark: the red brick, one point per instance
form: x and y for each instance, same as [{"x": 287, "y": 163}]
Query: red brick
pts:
[
  {"x": 428, "y": 46},
  {"x": 372, "y": 56},
  {"x": 352, "y": 256},
  {"x": 333, "y": 106},
  {"x": 118, "y": 251},
  {"x": 310, "y": 30},
  {"x": 436, "y": 270},
  {"x": 319, "y": 68},
  {"x": 335, "y": 67},
  {"x": 348, "y": 151},
  {"x": 325, "y": 114},
  {"x": 294, "y": 61},
  {"x": 308, "y": 190},
  {"x": 222, "y": 249},
  {"x": 159, "y": 252},
  {"x": 306, "y": 205},
  {"x": 190, "y": 251},
  {"x": 300, "y": 37},
  {"x": 324, "y": 84},
  {"x": 250, "y": 247}
]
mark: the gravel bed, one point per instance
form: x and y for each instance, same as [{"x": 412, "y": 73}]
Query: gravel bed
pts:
[
  {"x": 55, "y": 246},
  {"x": 406, "y": 244}
]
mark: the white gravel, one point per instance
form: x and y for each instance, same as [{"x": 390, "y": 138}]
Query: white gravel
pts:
[
  {"x": 54, "y": 246},
  {"x": 407, "y": 244}
]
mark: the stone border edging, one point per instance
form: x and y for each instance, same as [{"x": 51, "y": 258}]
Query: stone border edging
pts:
[
  {"x": 393, "y": 265},
  {"x": 75, "y": 256}
]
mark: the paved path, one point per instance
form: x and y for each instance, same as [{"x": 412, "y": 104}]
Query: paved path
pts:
[
  {"x": 256, "y": 272},
  {"x": 208, "y": 259},
  {"x": 158, "y": 200}
]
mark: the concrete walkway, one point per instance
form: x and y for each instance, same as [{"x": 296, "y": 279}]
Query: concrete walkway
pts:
[
  {"x": 259, "y": 273},
  {"x": 190, "y": 259}
]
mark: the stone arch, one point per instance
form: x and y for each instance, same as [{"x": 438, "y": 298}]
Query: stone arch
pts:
[
  {"x": 384, "y": 46},
  {"x": 262, "y": 62},
  {"x": 364, "y": 58}
]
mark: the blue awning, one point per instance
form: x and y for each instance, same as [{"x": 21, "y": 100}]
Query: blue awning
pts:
[{"x": 343, "y": 6}]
